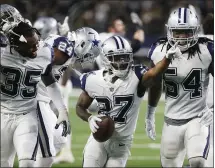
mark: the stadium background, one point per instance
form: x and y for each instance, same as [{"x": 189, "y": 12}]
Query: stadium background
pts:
[{"x": 97, "y": 14}]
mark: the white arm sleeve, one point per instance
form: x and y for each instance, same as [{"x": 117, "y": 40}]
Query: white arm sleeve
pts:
[{"x": 56, "y": 97}]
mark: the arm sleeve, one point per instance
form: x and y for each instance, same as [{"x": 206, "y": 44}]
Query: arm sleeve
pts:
[
  {"x": 56, "y": 97},
  {"x": 140, "y": 71}
]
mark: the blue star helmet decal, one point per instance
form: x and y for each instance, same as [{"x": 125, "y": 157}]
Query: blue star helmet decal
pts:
[{"x": 95, "y": 42}]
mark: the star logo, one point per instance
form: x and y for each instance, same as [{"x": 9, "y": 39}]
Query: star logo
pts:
[{"x": 95, "y": 42}]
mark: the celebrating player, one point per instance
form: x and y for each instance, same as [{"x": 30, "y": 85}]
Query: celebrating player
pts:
[
  {"x": 62, "y": 49},
  {"x": 118, "y": 89},
  {"x": 187, "y": 118},
  {"x": 23, "y": 64}
]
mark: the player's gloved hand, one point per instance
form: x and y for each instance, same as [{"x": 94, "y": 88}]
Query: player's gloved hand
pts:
[
  {"x": 63, "y": 118},
  {"x": 206, "y": 117},
  {"x": 150, "y": 122},
  {"x": 174, "y": 52},
  {"x": 64, "y": 28},
  {"x": 92, "y": 122}
]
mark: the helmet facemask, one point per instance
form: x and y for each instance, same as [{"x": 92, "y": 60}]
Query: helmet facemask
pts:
[
  {"x": 187, "y": 37},
  {"x": 120, "y": 63}
]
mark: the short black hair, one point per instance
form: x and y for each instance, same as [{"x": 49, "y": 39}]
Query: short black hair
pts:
[{"x": 21, "y": 29}]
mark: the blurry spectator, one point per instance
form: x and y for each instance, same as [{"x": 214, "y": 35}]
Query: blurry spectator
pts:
[{"x": 118, "y": 27}]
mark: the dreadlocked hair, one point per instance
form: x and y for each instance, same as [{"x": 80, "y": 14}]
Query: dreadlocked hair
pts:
[
  {"x": 21, "y": 29},
  {"x": 191, "y": 51}
]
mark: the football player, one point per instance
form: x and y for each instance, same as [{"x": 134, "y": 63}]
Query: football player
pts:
[
  {"x": 187, "y": 118},
  {"x": 83, "y": 44},
  {"x": 118, "y": 89},
  {"x": 23, "y": 64},
  {"x": 85, "y": 55},
  {"x": 48, "y": 27}
]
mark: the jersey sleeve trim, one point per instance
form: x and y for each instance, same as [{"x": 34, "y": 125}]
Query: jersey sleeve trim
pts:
[
  {"x": 152, "y": 50},
  {"x": 210, "y": 47},
  {"x": 83, "y": 79},
  {"x": 140, "y": 70}
]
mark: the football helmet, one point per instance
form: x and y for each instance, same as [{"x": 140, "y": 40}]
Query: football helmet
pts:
[
  {"x": 118, "y": 55},
  {"x": 10, "y": 17},
  {"x": 46, "y": 26},
  {"x": 86, "y": 42},
  {"x": 182, "y": 26}
]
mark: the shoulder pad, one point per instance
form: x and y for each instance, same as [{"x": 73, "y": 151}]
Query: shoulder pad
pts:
[
  {"x": 51, "y": 50},
  {"x": 83, "y": 79},
  {"x": 210, "y": 46},
  {"x": 155, "y": 44}
]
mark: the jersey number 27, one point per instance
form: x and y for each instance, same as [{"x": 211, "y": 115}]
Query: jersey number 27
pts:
[{"x": 125, "y": 102}]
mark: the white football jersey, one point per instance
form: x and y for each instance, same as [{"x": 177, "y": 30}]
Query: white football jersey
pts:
[
  {"x": 2, "y": 50},
  {"x": 19, "y": 78},
  {"x": 186, "y": 81},
  {"x": 120, "y": 100},
  {"x": 57, "y": 70}
]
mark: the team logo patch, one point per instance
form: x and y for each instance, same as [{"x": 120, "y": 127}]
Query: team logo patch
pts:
[{"x": 111, "y": 89}]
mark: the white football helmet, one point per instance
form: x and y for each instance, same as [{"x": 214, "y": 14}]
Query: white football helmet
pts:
[
  {"x": 183, "y": 26},
  {"x": 10, "y": 17},
  {"x": 117, "y": 53},
  {"x": 87, "y": 44},
  {"x": 46, "y": 26}
]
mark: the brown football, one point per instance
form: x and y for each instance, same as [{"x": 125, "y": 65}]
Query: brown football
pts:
[{"x": 106, "y": 129}]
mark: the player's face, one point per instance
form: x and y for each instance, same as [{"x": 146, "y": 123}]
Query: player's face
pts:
[
  {"x": 30, "y": 48},
  {"x": 59, "y": 57},
  {"x": 120, "y": 62},
  {"x": 182, "y": 34}
]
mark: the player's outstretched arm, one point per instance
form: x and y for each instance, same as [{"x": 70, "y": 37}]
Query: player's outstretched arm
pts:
[
  {"x": 149, "y": 78},
  {"x": 154, "y": 94},
  {"x": 53, "y": 89}
]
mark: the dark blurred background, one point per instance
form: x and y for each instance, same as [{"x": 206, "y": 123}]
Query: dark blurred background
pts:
[{"x": 99, "y": 13}]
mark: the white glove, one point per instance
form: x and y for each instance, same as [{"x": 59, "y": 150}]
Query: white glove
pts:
[
  {"x": 64, "y": 28},
  {"x": 174, "y": 52},
  {"x": 150, "y": 122},
  {"x": 92, "y": 122},
  {"x": 206, "y": 117},
  {"x": 63, "y": 118}
]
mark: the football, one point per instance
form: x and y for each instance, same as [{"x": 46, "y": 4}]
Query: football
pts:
[{"x": 106, "y": 129}]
